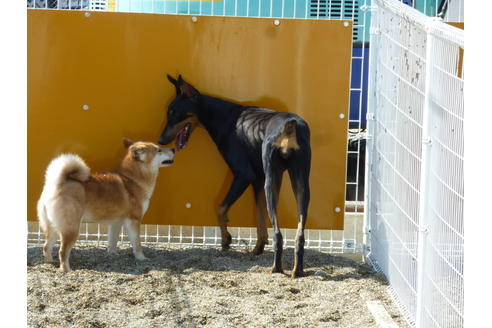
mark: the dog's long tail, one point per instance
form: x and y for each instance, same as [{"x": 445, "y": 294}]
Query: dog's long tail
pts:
[{"x": 66, "y": 167}]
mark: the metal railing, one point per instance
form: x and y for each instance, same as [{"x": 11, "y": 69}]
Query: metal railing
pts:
[
  {"x": 331, "y": 241},
  {"x": 415, "y": 194}
]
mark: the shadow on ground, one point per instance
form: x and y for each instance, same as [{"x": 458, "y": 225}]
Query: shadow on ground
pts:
[{"x": 185, "y": 260}]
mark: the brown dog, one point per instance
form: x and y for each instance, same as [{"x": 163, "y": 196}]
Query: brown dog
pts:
[{"x": 71, "y": 194}]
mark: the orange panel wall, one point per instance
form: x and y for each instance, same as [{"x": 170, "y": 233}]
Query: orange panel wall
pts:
[{"x": 116, "y": 64}]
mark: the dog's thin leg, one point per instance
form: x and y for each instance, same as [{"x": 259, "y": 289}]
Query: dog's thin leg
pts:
[
  {"x": 49, "y": 232},
  {"x": 272, "y": 187},
  {"x": 113, "y": 235},
  {"x": 261, "y": 217},
  {"x": 50, "y": 238},
  {"x": 133, "y": 228},
  {"x": 226, "y": 237},
  {"x": 49, "y": 235},
  {"x": 302, "y": 196},
  {"x": 238, "y": 186},
  {"x": 299, "y": 176},
  {"x": 273, "y": 181},
  {"x": 68, "y": 239}
]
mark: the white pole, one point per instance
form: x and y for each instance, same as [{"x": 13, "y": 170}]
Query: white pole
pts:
[
  {"x": 424, "y": 177},
  {"x": 371, "y": 111}
]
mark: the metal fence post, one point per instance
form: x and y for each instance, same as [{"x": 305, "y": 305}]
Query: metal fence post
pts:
[
  {"x": 424, "y": 173},
  {"x": 370, "y": 116}
]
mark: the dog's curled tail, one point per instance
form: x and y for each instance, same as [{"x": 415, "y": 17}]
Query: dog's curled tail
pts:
[{"x": 66, "y": 167}]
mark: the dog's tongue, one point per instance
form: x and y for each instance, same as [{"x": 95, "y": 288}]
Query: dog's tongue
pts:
[{"x": 180, "y": 142}]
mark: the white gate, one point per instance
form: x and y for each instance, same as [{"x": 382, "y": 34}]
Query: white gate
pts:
[{"x": 415, "y": 193}]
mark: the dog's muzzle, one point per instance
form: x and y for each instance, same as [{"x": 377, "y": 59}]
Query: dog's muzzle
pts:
[{"x": 165, "y": 137}]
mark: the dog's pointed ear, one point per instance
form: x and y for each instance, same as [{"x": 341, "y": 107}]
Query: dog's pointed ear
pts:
[
  {"x": 175, "y": 83},
  {"x": 172, "y": 80},
  {"x": 127, "y": 142},
  {"x": 188, "y": 90}
]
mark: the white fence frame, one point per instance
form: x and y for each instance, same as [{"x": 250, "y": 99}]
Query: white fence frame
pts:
[{"x": 414, "y": 169}]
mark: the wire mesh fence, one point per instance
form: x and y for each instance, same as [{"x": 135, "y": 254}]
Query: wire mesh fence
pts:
[
  {"x": 332, "y": 241},
  {"x": 415, "y": 167}
]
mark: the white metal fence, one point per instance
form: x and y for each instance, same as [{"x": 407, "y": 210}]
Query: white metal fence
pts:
[
  {"x": 332, "y": 241},
  {"x": 415, "y": 191}
]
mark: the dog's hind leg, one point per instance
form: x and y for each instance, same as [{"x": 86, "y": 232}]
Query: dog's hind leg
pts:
[
  {"x": 50, "y": 239},
  {"x": 238, "y": 186},
  {"x": 299, "y": 167},
  {"x": 49, "y": 234},
  {"x": 273, "y": 181},
  {"x": 68, "y": 238},
  {"x": 66, "y": 214},
  {"x": 113, "y": 235},
  {"x": 261, "y": 217}
]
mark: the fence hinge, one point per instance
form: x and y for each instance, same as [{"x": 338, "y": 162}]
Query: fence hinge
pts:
[
  {"x": 370, "y": 116},
  {"x": 423, "y": 229},
  {"x": 348, "y": 243},
  {"x": 368, "y": 8}
]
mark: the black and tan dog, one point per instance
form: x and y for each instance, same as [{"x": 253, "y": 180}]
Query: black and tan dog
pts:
[{"x": 258, "y": 145}]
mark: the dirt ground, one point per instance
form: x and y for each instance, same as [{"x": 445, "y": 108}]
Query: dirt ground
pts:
[{"x": 199, "y": 286}]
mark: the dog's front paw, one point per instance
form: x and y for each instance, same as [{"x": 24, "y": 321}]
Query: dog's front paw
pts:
[
  {"x": 226, "y": 242},
  {"x": 48, "y": 258},
  {"x": 259, "y": 248}
]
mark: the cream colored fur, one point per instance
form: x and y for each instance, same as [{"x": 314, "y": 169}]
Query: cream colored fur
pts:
[{"x": 72, "y": 194}]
